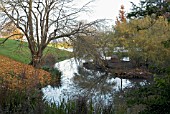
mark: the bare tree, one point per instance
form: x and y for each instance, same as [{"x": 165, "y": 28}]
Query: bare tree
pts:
[{"x": 42, "y": 21}]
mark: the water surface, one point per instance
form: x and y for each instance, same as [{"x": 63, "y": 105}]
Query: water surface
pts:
[{"x": 77, "y": 81}]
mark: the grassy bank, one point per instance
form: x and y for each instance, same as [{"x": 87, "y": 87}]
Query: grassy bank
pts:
[{"x": 19, "y": 51}]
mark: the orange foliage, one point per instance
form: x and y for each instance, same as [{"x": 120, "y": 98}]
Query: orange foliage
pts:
[
  {"x": 16, "y": 75},
  {"x": 122, "y": 17}
]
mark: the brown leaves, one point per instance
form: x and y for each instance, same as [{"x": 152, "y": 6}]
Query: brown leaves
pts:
[{"x": 18, "y": 75}]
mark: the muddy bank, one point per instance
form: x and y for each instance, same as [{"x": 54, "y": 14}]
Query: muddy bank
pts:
[{"x": 121, "y": 69}]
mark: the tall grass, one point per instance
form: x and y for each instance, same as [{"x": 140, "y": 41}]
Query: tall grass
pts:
[
  {"x": 78, "y": 106},
  {"x": 30, "y": 102}
]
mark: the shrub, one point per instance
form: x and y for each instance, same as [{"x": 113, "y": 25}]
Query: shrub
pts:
[
  {"x": 55, "y": 75},
  {"x": 49, "y": 61},
  {"x": 19, "y": 101},
  {"x": 155, "y": 97}
]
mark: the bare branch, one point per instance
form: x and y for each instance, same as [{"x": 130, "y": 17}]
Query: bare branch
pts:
[
  {"x": 9, "y": 37},
  {"x": 42, "y": 21}
]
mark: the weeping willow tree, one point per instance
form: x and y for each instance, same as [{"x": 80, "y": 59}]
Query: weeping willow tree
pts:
[{"x": 94, "y": 47}]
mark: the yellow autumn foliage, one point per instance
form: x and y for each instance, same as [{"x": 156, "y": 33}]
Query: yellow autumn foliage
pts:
[
  {"x": 18, "y": 35},
  {"x": 143, "y": 38},
  {"x": 11, "y": 31}
]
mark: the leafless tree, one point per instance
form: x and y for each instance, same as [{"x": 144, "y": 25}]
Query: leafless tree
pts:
[{"x": 42, "y": 21}]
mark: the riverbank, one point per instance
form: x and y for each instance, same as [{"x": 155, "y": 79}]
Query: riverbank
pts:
[
  {"x": 121, "y": 69},
  {"x": 19, "y": 93}
]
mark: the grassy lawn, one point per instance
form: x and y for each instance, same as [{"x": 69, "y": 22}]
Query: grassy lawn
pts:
[{"x": 20, "y": 52}]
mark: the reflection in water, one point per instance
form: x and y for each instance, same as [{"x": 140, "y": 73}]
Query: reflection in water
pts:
[
  {"x": 77, "y": 81},
  {"x": 97, "y": 86}
]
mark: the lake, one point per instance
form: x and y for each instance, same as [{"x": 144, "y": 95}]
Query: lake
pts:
[{"x": 77, "y": 81}]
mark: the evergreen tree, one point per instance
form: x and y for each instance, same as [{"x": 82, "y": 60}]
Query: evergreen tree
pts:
[{"x": 150, "y": 7}]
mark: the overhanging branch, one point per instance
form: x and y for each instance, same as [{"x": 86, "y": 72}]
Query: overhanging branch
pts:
[{"x": 9, "y": 37}]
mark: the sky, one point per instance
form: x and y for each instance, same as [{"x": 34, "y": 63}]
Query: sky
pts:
[{"x": 106, "y": 9}]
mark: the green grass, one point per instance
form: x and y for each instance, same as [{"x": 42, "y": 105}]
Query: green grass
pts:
[{"x": 20, "y": 52}]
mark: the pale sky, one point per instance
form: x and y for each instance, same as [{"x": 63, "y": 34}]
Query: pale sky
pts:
[{"x": 106, "y": 9}]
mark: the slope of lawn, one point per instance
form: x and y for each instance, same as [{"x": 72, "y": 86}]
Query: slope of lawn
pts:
[{"x": 19, "y": 51}]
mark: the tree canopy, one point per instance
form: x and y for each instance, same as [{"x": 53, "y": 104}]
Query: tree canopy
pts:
[
  {"x": 42, "y": 21},
  {"x": 143, "y": 38},
  {"x": 150, "y": 7}
]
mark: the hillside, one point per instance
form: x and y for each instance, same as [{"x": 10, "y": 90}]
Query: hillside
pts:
[
  {"x": 19, "y": 51},
  {"x": 18, "y": 75}
]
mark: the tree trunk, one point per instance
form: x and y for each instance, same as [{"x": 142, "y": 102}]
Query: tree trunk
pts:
[{"x": 36, "y": 60}]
